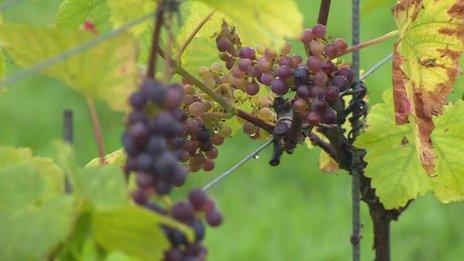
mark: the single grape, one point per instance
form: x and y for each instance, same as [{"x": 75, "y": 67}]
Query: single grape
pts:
[
  {"x": 137, "y": 100},
  {"x": 203, "y": 135},
  {"x": 301, "y": 75},
  {"x": 317, "y": 92},
  {"x": 331, "y": 51},
  {"x": 238, "y": 73},
  {"x": 341, "y": 45},
  {"x": 285, "y": 60},
  {"x": 179, "y": 176},
  {"x": 347, "y": 72},
  {"x": 314, "y": 119},
  {"x": 252, "y": 88},
  {"x": 247, "y": 52},
  {"x": 266, "y": 78},
  {"x": 249, "y": 128},
  {"x": 208, "y": 206},
  {"x": 162, "y": 187},
  {"x": 139, "y": 133},
  {"x": 317, "y": 48},
  {"x": 199, "y": 229},
  {"x": 182, "y": 211},
  {"x": 329, "y": 116},
  {"x": 254, "y": 71},
  {"x": 156, "y": 145},
  {"x": 144, "y": 179},
  {"x": 279, "y": 86},
  {"x": 153, "y": 91},
  {"x": 197, "y": 109},
  {"x": 341, "y": 82},
  {"x": 223, "y": 44},
  {"x": 307, "y": 37},
  {"x": 319, "y": 31},
  {"x": 140, "y": 197},
  {"x": 166, "y": 164},
  {"x": 329, "y": 67},
  {"x": 303, "y": 91},
  {"x": 194, "y": 125},
  {"x": 245, "y": 64},
  {"x": 144, "y": 162},
  {"x": 214, "y": 218},
  {"x": 208, "y": 165},
  {"x": 264, "y": 65},
  {"x": 266, "y": 114},
  {"x": 296, "y": 60},
  {"x": 314, "y": 63},
  {"x": 198, "y": 198},
  {"x": 284, "y": 72},
  {"x": 173, "y": 254},
  {"x": 205, "y": 145},
  {"x": 217, "y": 139},
  {"x": 319, "y": 106},
  {"x": 300, "y": 106},
  {"x": 135, "y": 117},
  {"x": 174, "y": 97},
  {"x": 320, "y": 78},
  {"x": 332, "y": 94}
]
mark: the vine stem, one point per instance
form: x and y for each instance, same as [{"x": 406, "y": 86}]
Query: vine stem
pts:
[
  {"x": 223, "y": 102},
  {"x": 97, "y": 130},
  {"x": 383, "y": 38},
  {"x": 155, "y": 40},
  {"x": 324, "y": 12},
  {"x": 194, "y": 33}
]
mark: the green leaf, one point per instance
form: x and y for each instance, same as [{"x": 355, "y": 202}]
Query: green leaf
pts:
[
  {"x": 132, "y": 230},
  {"x": 123, "y": 12},
  {"x": 38, "y": 179},
  {"x": 106, "y": 71},
  {"x": 3, "y": 69},
  {"x": 393, "y": 164},
  {"x": 373, "y": 5},
  {"x": 426, "y": 65},
  {"x": 104, "y": 187},
  {"x": 271, "y": 21},
  {"x": 27, "y": 234},
  {"x": 73, "y": 14}
]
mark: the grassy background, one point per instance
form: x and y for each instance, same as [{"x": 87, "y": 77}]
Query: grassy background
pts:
[{"x": 291, "y": 212}]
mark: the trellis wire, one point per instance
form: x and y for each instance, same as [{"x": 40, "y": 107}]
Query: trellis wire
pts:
[
  {"x": 44, "y": 64},
  {"x": 377, "y": 66},
  {"x": 356, "y": 175},
  {"x": 236, "y": 166}
]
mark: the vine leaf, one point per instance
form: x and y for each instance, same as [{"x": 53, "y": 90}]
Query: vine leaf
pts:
[
  {"x": 106, "y": 71},
  {"x": 73, "y": 13},
  {"x": 426, "y": 65},
  {"x": 33, "y": 207},
  {"x": 394, "y": 166},
  {"x": 123, "y": 12},
  {"x": 133, "y": 230}
]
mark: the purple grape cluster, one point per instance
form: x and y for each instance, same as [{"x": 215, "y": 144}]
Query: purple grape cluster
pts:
[
  {"x": 191, "y": 213},
  {"x": 204, "y": 130},
  {"x": 151, "y": 139},
  {"x": 316, "y": 82}
]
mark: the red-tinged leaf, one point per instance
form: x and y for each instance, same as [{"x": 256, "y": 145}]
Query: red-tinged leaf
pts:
[{"x": 426, "y": 65}]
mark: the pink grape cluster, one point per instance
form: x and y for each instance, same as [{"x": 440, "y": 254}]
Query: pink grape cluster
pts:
[
  {"x": 204, "y": 130},
  {"x": 316, "y": 82}
]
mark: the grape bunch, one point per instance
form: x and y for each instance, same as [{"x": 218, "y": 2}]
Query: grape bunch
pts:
[
  {"x": 316, "y": 82},
  {"x": 191, "y": 212},
  {"x": 204, "y": 130},
  {"x": 152, "y": 139}
]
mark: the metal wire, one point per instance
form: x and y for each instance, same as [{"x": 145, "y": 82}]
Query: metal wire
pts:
[
  {"x": 38, "y": 67},
  {"x": 252, "y": 155},
  {"x": 377, "y": 66}
]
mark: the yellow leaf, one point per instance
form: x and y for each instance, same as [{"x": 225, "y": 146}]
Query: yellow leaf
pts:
[
  {"x": 425, "y": 65},
  {"x": 106, "y": 71}
]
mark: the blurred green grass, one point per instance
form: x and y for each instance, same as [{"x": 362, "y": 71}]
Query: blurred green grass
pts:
[{"x": 290, "y": 212}]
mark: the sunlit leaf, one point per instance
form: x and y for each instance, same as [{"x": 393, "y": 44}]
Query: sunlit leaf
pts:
[
  {"x": 123, "y": 12},
  {"x": 393, "y": 164},
  {"x": 73, "y": 14},
  {"x": 104, "y": 186},
  {"x": 132, "y": 230},
  {"x": 106, "y": 71},
  {"x": 116, "y": 158},
  {"x": 426, "y": 64}
]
